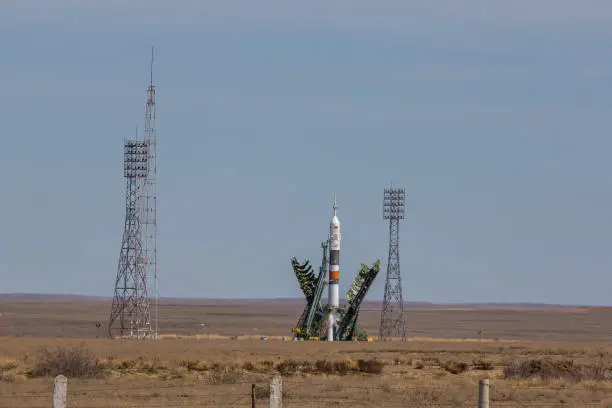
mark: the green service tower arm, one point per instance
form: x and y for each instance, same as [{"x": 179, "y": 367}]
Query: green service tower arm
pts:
[
  {"x": 314, "y": 318},
  {"x": 305, "y": 277},
  {"x": 354, "y": 298},
  {"x": 310, "y": 321}
]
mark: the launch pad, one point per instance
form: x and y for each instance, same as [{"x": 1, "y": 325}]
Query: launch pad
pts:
[
  {"x": 311, "y": 324},
  {"x": 331, "y": 322}
]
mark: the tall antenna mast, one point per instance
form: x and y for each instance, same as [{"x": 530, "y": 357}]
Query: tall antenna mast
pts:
[
  {"x": 392, "y": 321},
  {"x": 150, "y": 191}
]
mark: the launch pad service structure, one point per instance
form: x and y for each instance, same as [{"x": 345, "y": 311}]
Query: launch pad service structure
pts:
[{"x": 331, "y": 322}]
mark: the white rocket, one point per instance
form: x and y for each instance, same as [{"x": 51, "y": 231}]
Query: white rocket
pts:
[{"x": 334, "y": 273}]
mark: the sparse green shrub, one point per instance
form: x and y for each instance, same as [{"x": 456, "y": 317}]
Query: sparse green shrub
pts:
[
  {"x": 263, "y": 392},
  {"x": 187, "y": 363},
  {"x": 342, "y": 367},
  {"x": 418, "y": 364},
  {"x": 372, "y": 366},
  {"x": 455, "y": 367},
  {"x": 194, "y": 365},
  {"x": 127, "y": 364},
  {"x": 482, "y": 365},
  {"x": 249, "y": 366},
  {"x": 332, "y": 367},
  {"x": 324, "y": 367},
  {"x": 291, "y": 367},
  {"x": 267, "y": 363},
  {"x": 224, "y": 376},
  {"x": 547, "y": 369},
  {"x": 431, "y": 361},
  {"x": 72, "y": 362},
  {"x": 172, "y": 374}
]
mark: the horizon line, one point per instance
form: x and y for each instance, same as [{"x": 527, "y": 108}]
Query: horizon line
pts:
[{"x": 263, "y": 299}]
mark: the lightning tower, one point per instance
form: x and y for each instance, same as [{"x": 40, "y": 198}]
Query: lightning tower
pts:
[
  {"x": 130, "y": 312},
  {"x": 392, "y": 323},
  {"x": 150, "y": 191}
]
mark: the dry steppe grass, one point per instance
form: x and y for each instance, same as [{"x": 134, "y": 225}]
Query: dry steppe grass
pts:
[
  {"x": 217, "y": 372},
  {"x": 533, "y": 358}
]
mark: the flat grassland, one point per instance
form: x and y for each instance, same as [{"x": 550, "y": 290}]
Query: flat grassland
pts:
[{"x": 544, "y": 357}]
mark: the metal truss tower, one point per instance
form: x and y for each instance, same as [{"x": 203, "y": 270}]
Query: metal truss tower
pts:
[
  {"x": 392, "y": 323},
  {"x": 130, "y": 315},
  {"x": 149, "y": 215},
  {"x": 130, "y": 312}
]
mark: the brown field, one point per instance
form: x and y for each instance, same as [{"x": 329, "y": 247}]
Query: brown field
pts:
[{"x": 534, "y": 357}]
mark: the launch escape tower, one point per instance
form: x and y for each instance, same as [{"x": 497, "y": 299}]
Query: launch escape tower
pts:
[
  {"x": 130, "y": 312},
  {"x": 392, "y": 323},
  {"x": 312, "y": 324}
]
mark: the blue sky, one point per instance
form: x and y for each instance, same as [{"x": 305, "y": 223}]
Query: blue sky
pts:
[{"x": 494, "y": 117}]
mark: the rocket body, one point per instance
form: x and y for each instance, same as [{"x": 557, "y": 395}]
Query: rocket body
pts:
[
  {"x": 334, "y": 273},
  {"x": 334, "y": 263}
]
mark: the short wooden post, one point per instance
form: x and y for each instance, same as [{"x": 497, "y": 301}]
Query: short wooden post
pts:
[
  {"x": 60, "y": 388},
  {"x": 253, "y": 396},
  {"x": 483, "y": 393},
  {"x": 276, "y": 392}
]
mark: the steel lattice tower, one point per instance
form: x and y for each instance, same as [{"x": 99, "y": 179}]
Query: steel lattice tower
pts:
[
  {"x": 392, "y": 323},
  {"x": 149, "y": 215},
  {"x": 130, "y": 313}
]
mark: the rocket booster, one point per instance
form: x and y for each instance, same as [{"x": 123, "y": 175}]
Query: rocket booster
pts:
[
  {"x": 334, "y": 272},
  {"x": 334, "y": 259}
]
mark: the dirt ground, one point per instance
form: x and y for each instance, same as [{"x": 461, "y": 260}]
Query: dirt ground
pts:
[
  {"x": 76, "y": 318},
  {"x": 544, "y": 357}
]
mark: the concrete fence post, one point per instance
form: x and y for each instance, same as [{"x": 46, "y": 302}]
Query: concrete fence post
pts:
[
  {"x": 276, "y": 392},
  {"x": 60, "y": 388},
  {"x": 483, "y": 393}
]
